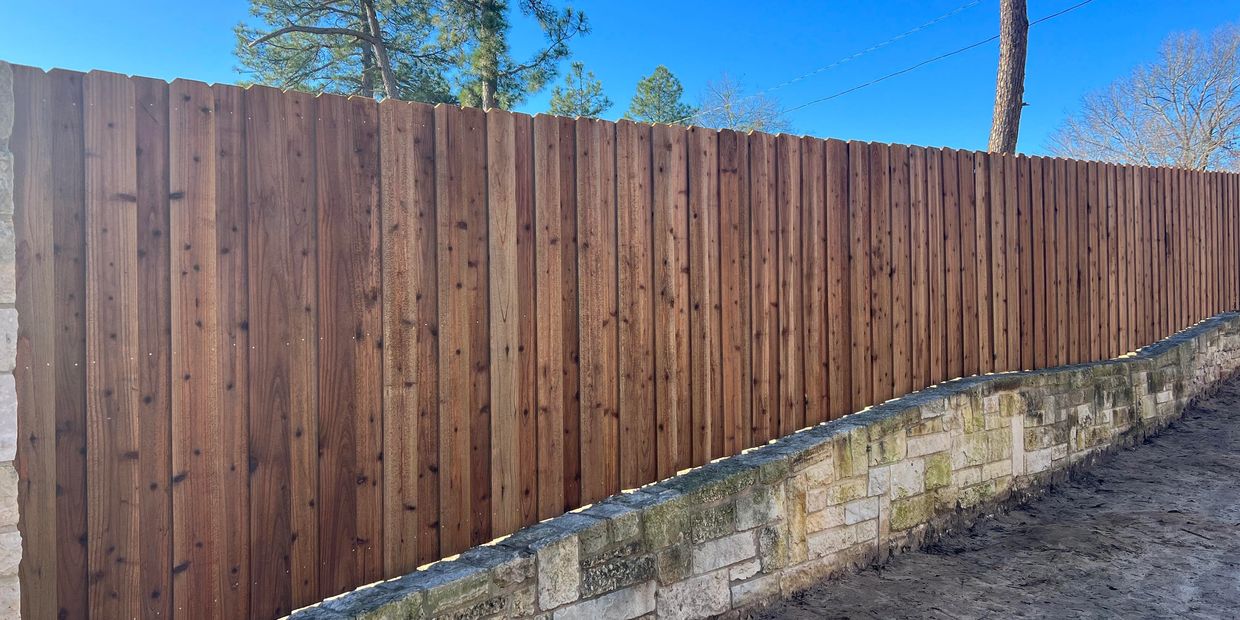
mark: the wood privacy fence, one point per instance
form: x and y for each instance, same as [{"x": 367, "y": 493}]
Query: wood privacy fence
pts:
[{"x": 275, "y": 346}]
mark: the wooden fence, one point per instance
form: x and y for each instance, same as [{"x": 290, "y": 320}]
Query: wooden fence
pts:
[{"x": 275, "y": 346}]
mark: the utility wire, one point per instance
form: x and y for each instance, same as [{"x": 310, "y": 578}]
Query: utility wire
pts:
[
  {"x": 929, "y": 61},
  {"x": 843, "y": 60}
]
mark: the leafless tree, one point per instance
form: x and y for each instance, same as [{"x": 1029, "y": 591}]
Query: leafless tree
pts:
[
  {"x": 1010, "y": 83},
  {"x": 725, "y": 105},
  {"x": 1182, "y": 111}
]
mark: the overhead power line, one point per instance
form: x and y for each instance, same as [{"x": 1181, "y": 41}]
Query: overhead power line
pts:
[
  {"x": 842, "y": 60},
  {"x": 929, "y": 61}
]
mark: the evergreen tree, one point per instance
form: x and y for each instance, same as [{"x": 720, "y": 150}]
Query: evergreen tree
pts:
[
  {"x": 488, "y": 76},
  {"x": 353, "y": 47},
  {"x": 658, "y": 100},
  {"x": 581, "y": 95}
]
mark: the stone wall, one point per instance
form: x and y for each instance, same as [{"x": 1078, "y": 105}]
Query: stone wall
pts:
[
  {"x": 10, "y": 538},
  {"x": 742, "y": 531}
]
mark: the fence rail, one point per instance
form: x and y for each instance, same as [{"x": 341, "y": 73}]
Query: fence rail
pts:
[{"x": 275, "y": 346}]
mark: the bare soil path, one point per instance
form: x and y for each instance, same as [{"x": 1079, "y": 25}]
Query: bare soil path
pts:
[{"x": 1153, "y": 532}]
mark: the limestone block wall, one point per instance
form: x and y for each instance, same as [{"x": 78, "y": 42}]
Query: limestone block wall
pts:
[
  {"x": 10, "y": 538},
  {"x": 744, "y": 530}
]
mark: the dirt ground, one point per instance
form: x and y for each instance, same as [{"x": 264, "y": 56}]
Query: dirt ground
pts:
[{"x": 1153, "y": 532}]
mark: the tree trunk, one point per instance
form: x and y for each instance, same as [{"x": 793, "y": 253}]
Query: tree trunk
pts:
[
  {"x": 367, "y": 87},
  {"x": 1010, "y": 84},
  {"x": 385, "y": 65},
  {"x": 488, "y": 93}
]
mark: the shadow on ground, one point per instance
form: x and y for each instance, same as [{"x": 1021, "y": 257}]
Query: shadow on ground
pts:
[{"x": 1153, "y": 532}]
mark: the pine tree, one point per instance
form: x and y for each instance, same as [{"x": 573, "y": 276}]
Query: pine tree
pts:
[
  {"x": 658, "y": 100},
  {"x": 488, "y": 75},
  {"x": 581, "y": 95},
  {"x": 354, "y": 47}
]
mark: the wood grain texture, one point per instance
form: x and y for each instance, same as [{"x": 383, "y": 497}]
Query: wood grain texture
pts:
[
  {"x": 1028, "y": 185},
  {"x": 938, "y": 267},
  {"x": 984, "y": 198},
  {"x": 1043, "y": 329},
  {"x": 41, "y": 102},
  {"x": 705, "y": 354},
  {"x": 567, "y": 151},
  {"x": 501, "y": 201},
  {"x": 839, "y": 278},
  {"x": 764, "y": 300},
  {"x": 634, "y": 239},
  {"x": 969, "y": 310},
  {"x": 464, "y": 384},
  {"x": 791, "y": 323},
  {"x": 596, "y": 260},
  {"x": 114, "y": 436},
  {"x": 901, "y": 265},
  {"x": 671, "y": 305},
  {"x": 734, "y": 277},
  {"x": 919, "y": 266},
  {"x": 954, "y": 316},
  {"x": 815, "y": 281},
  {"x": 232, "y": 342},
  {"x": 197, "y": 421},
  {"x": 410, "y": 351},
  {"x": 881, "y": 359},
  {"x": 549, "y": 284},
  {"x": 1011, "y": 235},
  {"x": 997, "y": 230}
]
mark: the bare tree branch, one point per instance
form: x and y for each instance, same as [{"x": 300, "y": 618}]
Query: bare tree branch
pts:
[{"x": 1182, "y": 111}]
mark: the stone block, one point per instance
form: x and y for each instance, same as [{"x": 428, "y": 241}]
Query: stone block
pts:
[
  {"x": 6, "y": 182},
  {"x": 672, "y": 563},
  {"x": 666, "y": 523},
  {"x": 616, "y": 574},
  {"x": 8, "y": 495},
  {"x": 820, "y": 472},
  {"x": 908, "y": 478},
  {"x": 559, "y": 572},
  {"x": 744, "y": 570},
  {"x": 831, "y": 541},
  {"x": 6, "y": 104},
  {"x": 999, "y": 443},
  {"x": 8, "y": 418},
  {"x": 449, "y": 585},
  {"x": 631, "y": 602},
  {"x": 849, "y": 452},
  {"x": 712, "y": 522},
  {"x": 938, "y": 469},
  {"x": 966, "y": 476},
  {"x": 508, "y": 567},
  {"x": 969, "y": 449},
  {"x": 716, "y": 554},
  {"x": 8, "y": 339},
  {"x": 929, "y": 444},
  {"x": 815, "y": 500},
  {"x": 861, "y": 510},
  {"x": 829, "y": 517},
  {"x": 888, "y": 448},
  {"x": 763, "y": 504},
  {"x": 755, "y": 591},
  {"x": 772, "y": 547},
  {"x": 880, "y": 480},
  {"x": 911, "y": 511},
  {"x": 699, "y": 597},
  {"x": 848, "y": 490},
  {"x": 8, "y": 262}
]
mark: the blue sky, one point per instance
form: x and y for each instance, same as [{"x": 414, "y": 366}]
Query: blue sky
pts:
[{"x": 761, "y": 44}]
